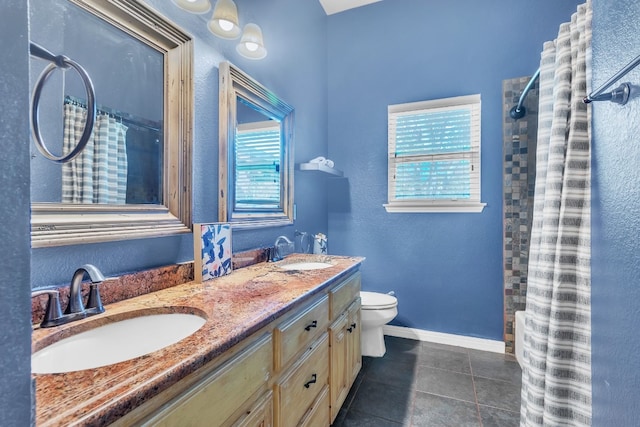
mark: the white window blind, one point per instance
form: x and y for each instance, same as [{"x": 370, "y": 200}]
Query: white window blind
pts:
[
  {"x": 434, "y": 156},
  {"x": 257, "y": 165}
]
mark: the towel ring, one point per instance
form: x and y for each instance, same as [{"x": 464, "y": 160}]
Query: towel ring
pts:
[{"x": 62, "y": 62}]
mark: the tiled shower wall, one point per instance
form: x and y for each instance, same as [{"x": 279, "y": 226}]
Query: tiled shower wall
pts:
[{"x": 519, "y": 151}]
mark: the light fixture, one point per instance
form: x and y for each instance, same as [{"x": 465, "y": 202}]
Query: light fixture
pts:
[
  {"x": 224, "y": 22},
  {"x": 194, "y": 6},
  {"x": 251, "y": 45}
]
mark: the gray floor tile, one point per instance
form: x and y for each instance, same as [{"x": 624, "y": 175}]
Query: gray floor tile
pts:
[
  {"x": 493, "y": 417},
  {"x": 445, "y": 359},
  {"x": 436, "y": 411},
  {"x": 426, "y": 344},
  {"x": 422, "y": 384},
  {"x": 358, "y": 419},
  {"x": 495, "y": 366},
  {"x": 392, "y": 372},
  {"x": 384, "y": 401},
  {"x": 401, "y": 349},
  {"x": 445, "y": 383},
  {"x": 499, "y": 394}
]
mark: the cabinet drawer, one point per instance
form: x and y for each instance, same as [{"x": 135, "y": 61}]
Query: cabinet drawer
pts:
[
  {"x": 259, "y": 415},
  {"x": 300, "y": 386},
  {"x": 343, "y": 295},
  {"x": 318, "y": 414},
  {"x": 214, "y": 399},
  {"x": 297, "y": 334}
]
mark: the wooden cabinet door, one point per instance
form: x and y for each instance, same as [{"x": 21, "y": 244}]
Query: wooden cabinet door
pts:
[
  {"x": 301, "y": 385},
  {"x": 354, "y": 351},
  {"x": 339, "y": 365}
]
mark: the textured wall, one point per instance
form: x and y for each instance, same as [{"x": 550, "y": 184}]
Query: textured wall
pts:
[
  {"x": 15, "y": 305},
  {"x": 295, "y": 69},
  {"x": 615, "y": 316},
  {"x": 446, "y": 269}
]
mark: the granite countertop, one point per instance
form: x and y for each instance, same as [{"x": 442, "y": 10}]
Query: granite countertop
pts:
[{"x": 235, "y": 306}]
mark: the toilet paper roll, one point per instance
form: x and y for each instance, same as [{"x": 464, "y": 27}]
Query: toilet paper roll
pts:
[
  {"x": 329, "y": 163},
  {"x": 318, "y": 159}
]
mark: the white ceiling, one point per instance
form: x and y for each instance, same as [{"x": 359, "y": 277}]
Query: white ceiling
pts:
[{"x": 336, "y": 6}]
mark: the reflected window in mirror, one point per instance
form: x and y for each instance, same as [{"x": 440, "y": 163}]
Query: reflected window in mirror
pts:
[
  {"x": 133, "y": 178},
  {"x": 256, "y": 153}
]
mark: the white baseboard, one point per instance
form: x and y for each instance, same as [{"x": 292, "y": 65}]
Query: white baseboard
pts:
[{"x": 448, "y": 339}]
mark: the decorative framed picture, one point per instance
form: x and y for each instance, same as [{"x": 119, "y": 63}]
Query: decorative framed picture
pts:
[{"x": 212, "y": 251}]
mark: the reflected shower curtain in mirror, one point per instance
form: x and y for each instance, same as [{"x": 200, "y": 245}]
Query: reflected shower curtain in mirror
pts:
[
  {"x": 99, "y": 173},
  {"x": 556, "y": 375}
]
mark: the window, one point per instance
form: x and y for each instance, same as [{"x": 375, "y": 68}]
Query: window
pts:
[
  {"x": 434, "y": 156},
  {"x": 257, "y": 160}
]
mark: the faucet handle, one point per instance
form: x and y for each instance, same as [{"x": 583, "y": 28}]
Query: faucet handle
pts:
[
  {"x": 53, "y": 313},
  {"x": 94, "y": 303}
]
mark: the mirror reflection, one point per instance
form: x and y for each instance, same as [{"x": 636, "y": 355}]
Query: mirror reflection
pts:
[
  {"x": 257, "y": 160},
  {"x": 134, "y": 178},
  {"x": 123, "y": 161},
  {"x": 256, "y": 153}
]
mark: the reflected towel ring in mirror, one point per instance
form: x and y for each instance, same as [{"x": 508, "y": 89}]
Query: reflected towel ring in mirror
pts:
[{"x": 60, "y": 61}]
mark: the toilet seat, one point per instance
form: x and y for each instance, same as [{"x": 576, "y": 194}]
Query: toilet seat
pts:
[{"x": 377, "y": 301}]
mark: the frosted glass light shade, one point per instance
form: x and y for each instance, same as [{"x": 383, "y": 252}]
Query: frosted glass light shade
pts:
[
  {"x": 224, "y": 22},
  {"x": 193, "y": 6},
  {"x": 251, "y": 45}
]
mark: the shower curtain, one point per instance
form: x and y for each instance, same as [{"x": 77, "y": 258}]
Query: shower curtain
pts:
[
  {"x": 99, "y": 173},
  {"x": 556, "y": 376}
]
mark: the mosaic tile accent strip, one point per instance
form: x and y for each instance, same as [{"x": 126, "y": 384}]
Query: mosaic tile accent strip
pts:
[
  {"x": 212, "y": 251},
  {"x": 519, "y": 151}
]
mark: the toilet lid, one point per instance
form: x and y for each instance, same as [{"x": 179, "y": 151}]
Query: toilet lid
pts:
[{"x": 377, "y": 301}]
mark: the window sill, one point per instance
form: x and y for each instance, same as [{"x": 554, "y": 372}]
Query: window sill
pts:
[{"x": 456, "y": 207}]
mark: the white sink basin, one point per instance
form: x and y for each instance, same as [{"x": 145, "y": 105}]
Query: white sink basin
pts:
[
  {"x": 305, "y": 266},
  {"x": 115, "y": 342}
]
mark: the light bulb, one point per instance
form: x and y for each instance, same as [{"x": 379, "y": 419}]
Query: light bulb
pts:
[
  {"x": 225, "y": 25},
  {"x": 251, "y": 46}
]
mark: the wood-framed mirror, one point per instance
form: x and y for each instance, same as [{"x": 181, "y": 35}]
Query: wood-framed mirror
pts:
[
  {"x": 141, "y": 67},
  {"x": 256, "y": 153}
]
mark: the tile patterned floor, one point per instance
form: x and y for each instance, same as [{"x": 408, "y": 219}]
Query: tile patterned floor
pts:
[{"x": 420, "y": 384}]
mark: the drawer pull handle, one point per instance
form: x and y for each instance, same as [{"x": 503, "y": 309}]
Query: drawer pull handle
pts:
[
  {"x": 351, "y": 328},
  {"x": 311, "y": 381},
  {"x": 313, "y": 324}
]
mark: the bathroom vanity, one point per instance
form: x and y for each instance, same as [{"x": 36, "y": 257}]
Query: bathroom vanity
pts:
[{"x": 279, "y": 347}]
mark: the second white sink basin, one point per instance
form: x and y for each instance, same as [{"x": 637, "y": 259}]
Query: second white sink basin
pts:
[
  {"x": 305, "y": 266},
  {"x": 115, "y": 342}
]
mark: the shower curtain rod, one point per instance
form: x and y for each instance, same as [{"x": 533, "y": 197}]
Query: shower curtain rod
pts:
[
  {"x": 126, "y": 118},
  {"x": 619, "y": 95},
  {"x": 519, "y": 111}
]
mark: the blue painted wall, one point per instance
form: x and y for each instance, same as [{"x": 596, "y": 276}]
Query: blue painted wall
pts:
[
  {"x": 295, "y": 69},
  {"x": 446, "y": 269},
  {"x": 615, "y": 293},
  {"x": 15, "y": 305}
]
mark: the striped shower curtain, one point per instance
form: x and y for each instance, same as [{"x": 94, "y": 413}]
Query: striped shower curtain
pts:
[
  {"x": 99, "y": 173},
  {"x": 556, "y": 376}
]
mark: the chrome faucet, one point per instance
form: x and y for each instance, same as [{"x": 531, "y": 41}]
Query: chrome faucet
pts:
[
  {"x": 75, "y": 290},
  {"x": 76, "y": 309},
  {"x": 279, "y": 248}
]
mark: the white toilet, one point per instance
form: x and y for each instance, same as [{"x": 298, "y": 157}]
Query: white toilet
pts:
[{"x": 377, "y": 310}]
